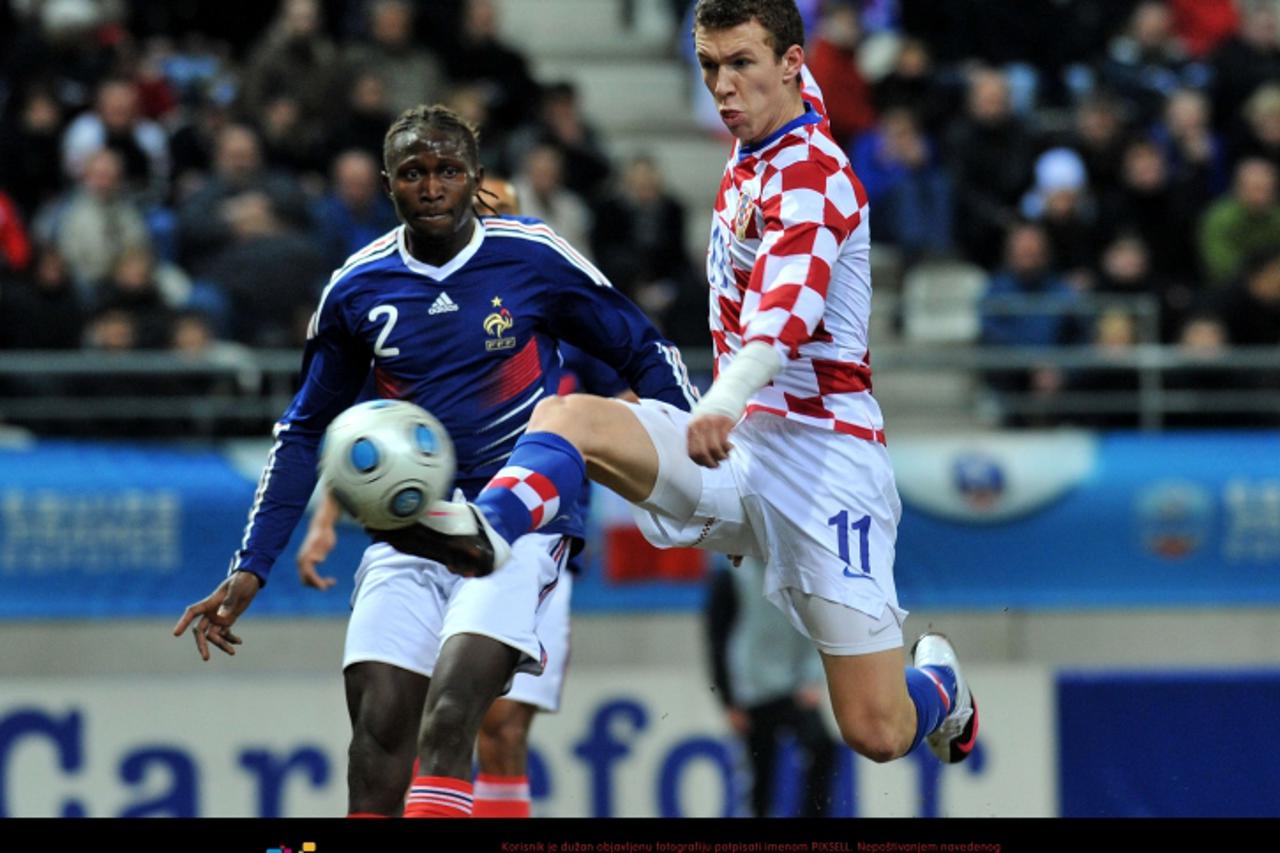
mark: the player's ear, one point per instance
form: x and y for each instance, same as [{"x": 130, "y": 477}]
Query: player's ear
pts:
[
  {"x": 386, "y": 182},
  {"x": 792, "y": 62}
]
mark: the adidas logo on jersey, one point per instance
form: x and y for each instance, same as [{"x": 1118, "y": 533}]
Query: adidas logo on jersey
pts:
[{"x": 442, "y": 305}]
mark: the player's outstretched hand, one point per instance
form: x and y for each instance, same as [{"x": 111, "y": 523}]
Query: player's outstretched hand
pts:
[
  {"x": 218, "y": 611},
  {"x": 318, "y": 544},
  {"x": 708, "y": 439}
]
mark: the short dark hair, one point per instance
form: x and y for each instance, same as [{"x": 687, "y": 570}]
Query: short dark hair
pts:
[
  {"x": 435, "y": 117},
  {"x": 780, "y": 18}
]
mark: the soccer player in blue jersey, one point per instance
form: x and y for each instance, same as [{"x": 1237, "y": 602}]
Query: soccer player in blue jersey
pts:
[
  {"x": 502, "y": 748},
  {"x": 463, "y": 317}
]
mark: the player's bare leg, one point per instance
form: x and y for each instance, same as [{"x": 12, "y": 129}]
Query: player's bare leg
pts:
[
  {"x": 873, "y": 710},
  {"x": 469, "y": 675},
  {"x": 383, "y": 702},
  {"x": 615, "y": 445},
  {"x": 503, "y": 745},
  {"x": 502, "y": 752}
]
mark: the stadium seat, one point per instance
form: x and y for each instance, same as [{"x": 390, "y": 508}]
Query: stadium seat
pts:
[{"x": 940, "y": 302}]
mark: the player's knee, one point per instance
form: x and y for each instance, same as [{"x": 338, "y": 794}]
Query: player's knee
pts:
[
  {"x": 572, "y": 417},
  {"x": 872, "y": 736}
]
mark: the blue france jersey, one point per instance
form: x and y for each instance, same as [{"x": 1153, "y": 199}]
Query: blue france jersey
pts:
[{"x": 474, "y": 342}]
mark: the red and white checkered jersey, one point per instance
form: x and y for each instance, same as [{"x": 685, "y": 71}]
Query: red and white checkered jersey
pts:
[{"x": 789, "y": 264}]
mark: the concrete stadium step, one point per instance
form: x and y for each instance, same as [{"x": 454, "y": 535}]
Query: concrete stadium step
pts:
[
  {"x": 623, "y": 95},
  {"x": 586, "y": 28}
]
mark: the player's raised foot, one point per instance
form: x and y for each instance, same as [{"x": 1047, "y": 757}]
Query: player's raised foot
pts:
[
  {"x": 454, "y": 533},
  {"x": 953, "y": 740}
]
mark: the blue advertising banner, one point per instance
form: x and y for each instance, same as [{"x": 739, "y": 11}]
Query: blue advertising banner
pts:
[
  {"x": 1060, "y": 520},
  {"x": 113, "y": 530},
  {"x": 1194, "y": 744},
  {"x": 1080, "y": 521}
]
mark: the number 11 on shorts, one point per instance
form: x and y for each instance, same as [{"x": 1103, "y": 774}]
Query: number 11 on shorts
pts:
[{"x": 863, "y": 525}]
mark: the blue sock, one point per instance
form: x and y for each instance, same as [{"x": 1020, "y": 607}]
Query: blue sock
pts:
[
  {"x": 926, "y": 686},
  {"x": 540, "y": 481}
]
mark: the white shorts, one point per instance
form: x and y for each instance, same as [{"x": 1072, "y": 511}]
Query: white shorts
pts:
[
  {"x": 543, "y": 691},
  {"x": 819, "y": 507},
  {"x": 404, "y": 607}
]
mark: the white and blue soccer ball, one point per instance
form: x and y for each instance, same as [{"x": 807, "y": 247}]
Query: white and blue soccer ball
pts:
[{"x": 385, "y": 460}]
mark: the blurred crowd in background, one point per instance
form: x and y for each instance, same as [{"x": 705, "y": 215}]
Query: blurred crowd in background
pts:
[{"x": 186, "y": 175}]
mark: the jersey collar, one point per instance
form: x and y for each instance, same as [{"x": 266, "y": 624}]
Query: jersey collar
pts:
[
  {"x": 809, "y": 116},
  {"x": 455, "y": 263}
]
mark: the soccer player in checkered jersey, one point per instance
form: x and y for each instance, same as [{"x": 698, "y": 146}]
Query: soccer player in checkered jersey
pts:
[
  {"x": 463, "y": 316},
  {"x": 784, "y": 458}
]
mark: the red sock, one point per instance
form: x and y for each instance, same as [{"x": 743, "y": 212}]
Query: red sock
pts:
[
  {"x": 438, "y": 796},
  {"x": 501, "y": 796},
  {"x": 366, "y": 815}
]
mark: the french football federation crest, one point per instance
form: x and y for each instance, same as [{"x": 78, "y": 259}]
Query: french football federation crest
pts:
[
  {"x": 743, "y": 216},
  {"x": 496, "y": 324}
]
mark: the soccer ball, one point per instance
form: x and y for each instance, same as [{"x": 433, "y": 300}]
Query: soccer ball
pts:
[{"x": 385, "y": 460}]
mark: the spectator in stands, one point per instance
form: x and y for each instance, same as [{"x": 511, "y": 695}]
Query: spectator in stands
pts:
[
  {"x": 297, "y": 58},
  {"x": 94, "y": 223},
  {"x": 1113, "y": 401},
  {"x": 15, "y": 245},
  {"x": 913, "y": 83},
  {"x": 203, "y": 115},
  {"x": 769, "y": 681},
  {"x": 40, "y": 309},
  {"x": 907, "y": 187},
  {"x": 133, "y": 289},
  {"x": 561, "y": 124},
  {"x": 1147, "y": 201},
  {"x": 411, "y": 74},
  {"x": 1203, "y": 337},
  {"x": 638, "y": 240},
  {"x": 1251, "y": 306},
  {"x": 1247, "y": 60},
  {"x": 1147, "y": 63},
  {"x": 833, "y": 58},
  {"x": 1241, "y": 225},
  {"x": 1028, "y": 305},
  {"x": 1202, "y": 25},
  {"x": 1040, "y": 299},
  {"x": 1060, "y": 202},
  {"x": 479, "y": 56},
  {"x": 471, "y": 101},
  {"x": 356, "y": 211},
  {"x": 66, "y": 46},
  {"x": 1125, "y": 269},
  {"x": 112, "y": 330},
  {"x": 1099, "y": 134},
  {"x": 990, "y": 154},
  {"x": 1195, "y": 152},
  {"x": 30, "y": 166},
  {"x": 290, "y": 143},
  {"x": 116, "y": 123},
  {"x": 365, "y": 119},
  {"x": 544, "y": 196},
  {"x": 231, "y": 203},
  {"x": 1260, "y": 136}
]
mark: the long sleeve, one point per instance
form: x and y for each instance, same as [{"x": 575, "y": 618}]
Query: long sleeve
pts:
[
  {"x": 334, "y": 369},
  {"x": 599, "y": 320}
]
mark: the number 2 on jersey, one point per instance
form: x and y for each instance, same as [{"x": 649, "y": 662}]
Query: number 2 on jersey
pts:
[
  {"x": 863, "y": 525},
  {"x": 390, "y": 312}
]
